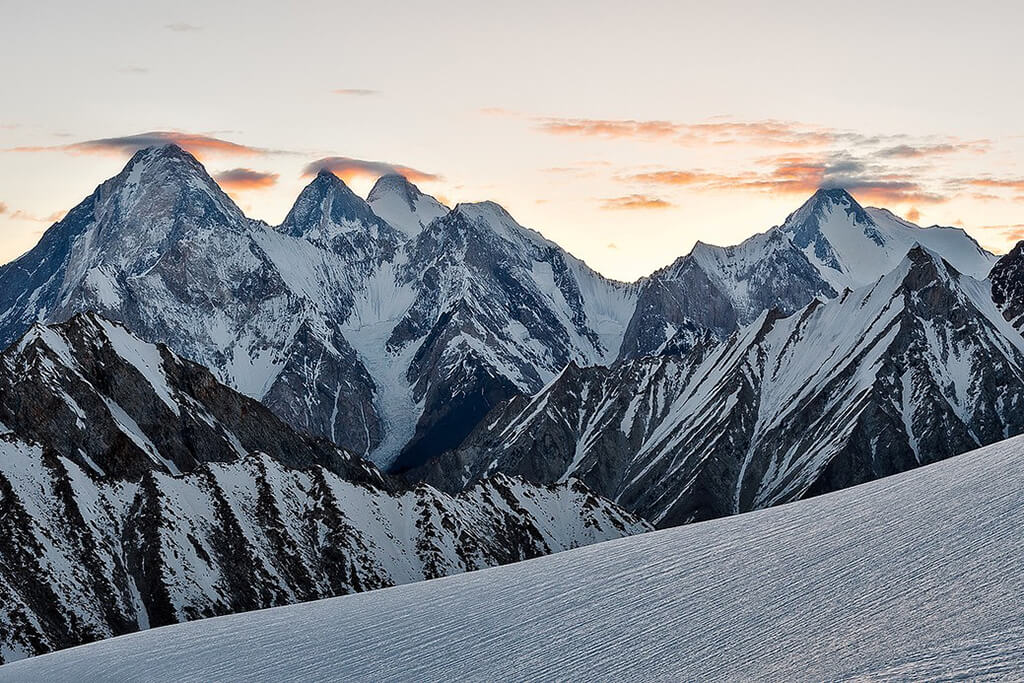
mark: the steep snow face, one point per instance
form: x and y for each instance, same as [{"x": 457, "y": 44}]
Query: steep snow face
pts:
[
  {"x": 163, "y": 196},
  {"x": 152, "y": 494},
  {"x": 919, "y": 365},
  {"x": 403, "y": 206},
  {"x": 861, "y": 584},
  {"x": 851, "y": 246}
]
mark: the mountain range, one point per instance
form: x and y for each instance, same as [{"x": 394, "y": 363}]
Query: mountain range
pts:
[
  {"x": 202, "y": 413},
  {"x": 392, "y": 326}
]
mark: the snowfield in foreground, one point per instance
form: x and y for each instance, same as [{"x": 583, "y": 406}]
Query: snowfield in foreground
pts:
[{"x": 920, "y": 574}]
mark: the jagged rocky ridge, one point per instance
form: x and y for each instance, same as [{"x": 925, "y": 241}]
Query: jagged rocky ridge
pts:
[
  {"x": 137, "y": 491},
  {"x": 392, "y": 326},
  {"x": 916, "y": 367}
]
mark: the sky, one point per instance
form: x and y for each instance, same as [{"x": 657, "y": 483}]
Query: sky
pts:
[{"x": 625, "y": 132}]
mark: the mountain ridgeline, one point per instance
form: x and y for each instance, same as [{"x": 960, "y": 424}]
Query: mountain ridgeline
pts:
[{"x": 452, "y": 344}]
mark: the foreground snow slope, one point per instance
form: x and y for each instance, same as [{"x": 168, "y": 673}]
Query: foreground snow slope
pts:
[{"x": 910, "y": 576}]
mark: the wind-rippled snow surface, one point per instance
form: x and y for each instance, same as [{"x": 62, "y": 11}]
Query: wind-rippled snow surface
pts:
[{"x": 916, "y": 576}]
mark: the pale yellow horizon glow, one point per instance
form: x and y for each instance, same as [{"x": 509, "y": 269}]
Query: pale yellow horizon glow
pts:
[{"x": 625, "y": 134}]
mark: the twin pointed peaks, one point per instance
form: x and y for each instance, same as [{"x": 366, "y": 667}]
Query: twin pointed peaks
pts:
[{"x": 325, "y": 202}]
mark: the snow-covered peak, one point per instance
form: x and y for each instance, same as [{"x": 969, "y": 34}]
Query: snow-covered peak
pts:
[
  {"x": 824, "y": 202},
  {"x": 851, "y": 246},
  {"x": 403, "y": 205},
  {"x": 165, "y": 179},
  {"x": 327, "y": 207}
]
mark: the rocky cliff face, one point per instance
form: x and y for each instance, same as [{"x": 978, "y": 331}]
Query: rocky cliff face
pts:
[
  {"x": 1008, "y": 285},
  {"x": 137, "y": 491}
]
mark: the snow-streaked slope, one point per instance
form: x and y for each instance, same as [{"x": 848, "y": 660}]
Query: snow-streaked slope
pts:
[
  {"x": 910, "y": 577},
  {"x": 498, "y": 310},
  {"x": 137, "y": 491},
  {"x": 918, "y": 365},
  {"x": 90, "y": 557}
]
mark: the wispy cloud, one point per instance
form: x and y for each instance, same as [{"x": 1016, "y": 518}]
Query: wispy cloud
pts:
[
  {"x": 918, "y": 151},
  {"x": 26, "y": 216},
  {"x": 196, "y": 143},
  {"x": 356, "y": 92},
  {"x": 796, "y": 174},
  {"x": 348, "y": 168},
  {"x": 1005, "y": 236},
  {"x": 245, "y": 179},
  {"x": 1014, "y": 184},
  {"x": 635, "y": 202},
  {"x": 182, "y": 27},
  {"x": 885, "y": 168},
  {"x": 765, "y": 133},
  {"x": 605, "y": 128},
  {"x": 768, "y": 133}
]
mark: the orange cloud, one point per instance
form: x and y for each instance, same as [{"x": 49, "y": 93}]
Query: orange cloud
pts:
[
  {"x": 245, "y": 179},
  {"x": 609, "y": 128},
  {"x": 684, "y": 178},
  {"x": 765, "y": 133},
  {"x": 1009, "y": 235},
  {"x": 635, "y": 201},
  {"x": 347, "y": 169},
  {"x": 25, "y": 216},
  {"x": 196, "y": 144},
  {"x": 1015, "y": 234},
  {"x": 3, "y": 208},
  {"x": 794, "y": 174},
  {"x": 913, "y": 215},
  {"x": 499, "y": 111},
  {"x": 1015, "y": 184}
]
